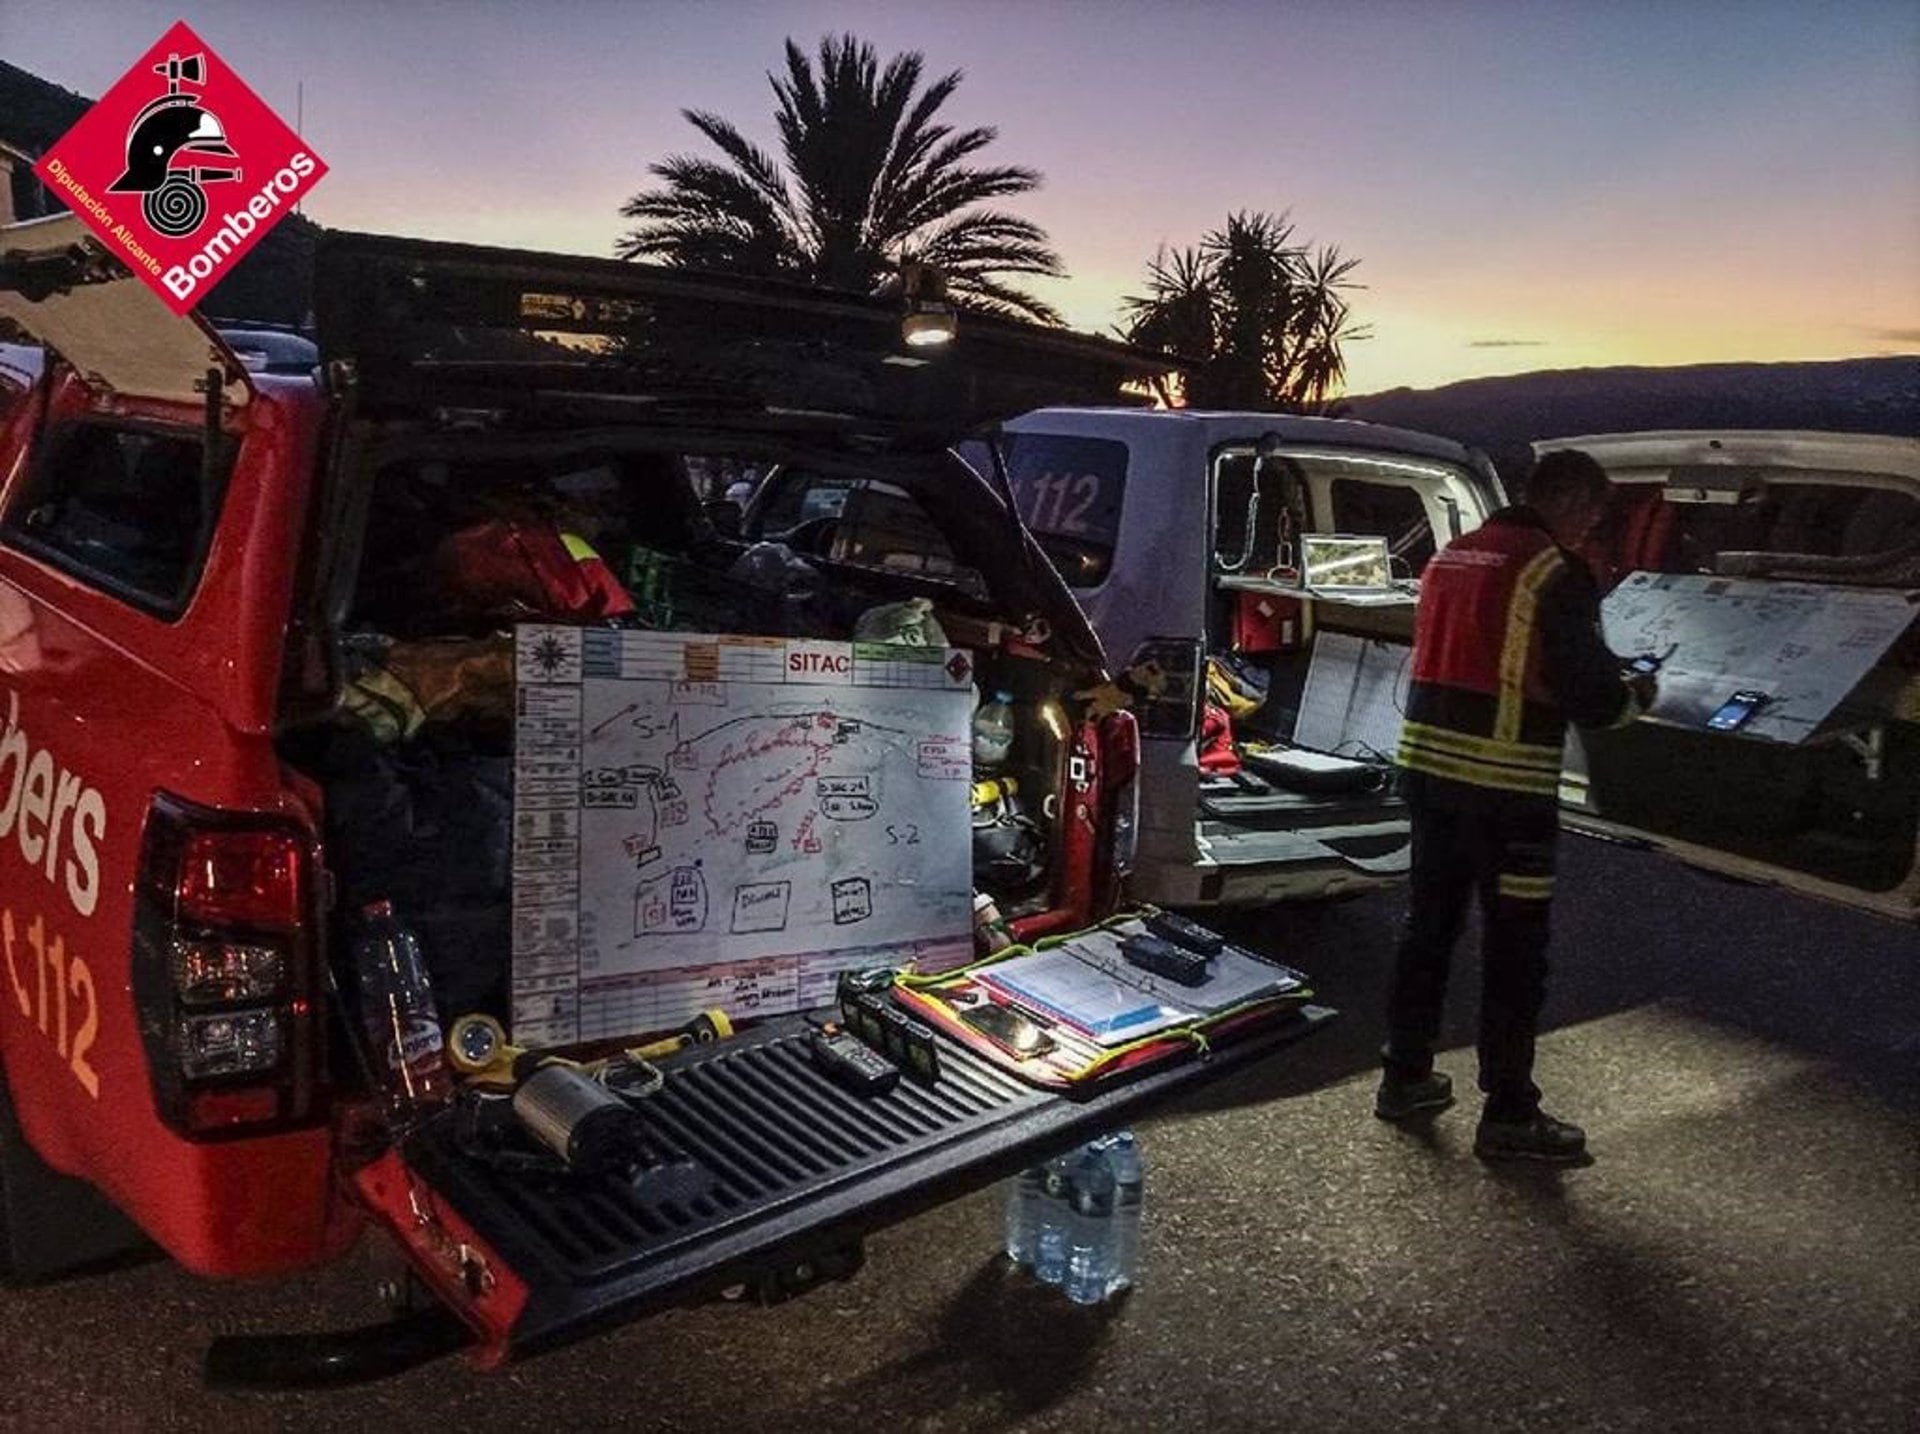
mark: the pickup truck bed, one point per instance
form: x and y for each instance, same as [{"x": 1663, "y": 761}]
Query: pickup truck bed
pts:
[
  {"x": 769, "y": 1177},
  {"x": 784, "y": 1164}
]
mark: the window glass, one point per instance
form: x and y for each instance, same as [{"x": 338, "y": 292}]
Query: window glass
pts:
[
  {"x": 1070, "y": 492},
  {"x": 127, "y": 508},
  {"x": 798, "y": 497},
  {"x": 1385, "y": 510},
  {"x": 1828, "y": 520},
  {"x": 864, "y": 522},
  {"x": 879, "y": 525}
]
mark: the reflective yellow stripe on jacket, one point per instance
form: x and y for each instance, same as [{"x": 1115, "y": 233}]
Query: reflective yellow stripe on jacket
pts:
[
  {"x": 1526, "y": 888},
  {"x": 1482, "y": 761},
  {"x": 1519, "y": 642}
]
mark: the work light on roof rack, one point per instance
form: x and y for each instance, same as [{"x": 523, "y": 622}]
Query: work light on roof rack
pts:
[{"x": 929, "y": 319}]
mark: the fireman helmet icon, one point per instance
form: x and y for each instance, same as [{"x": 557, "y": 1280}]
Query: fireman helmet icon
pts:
[{"x": 174, "y": 124}]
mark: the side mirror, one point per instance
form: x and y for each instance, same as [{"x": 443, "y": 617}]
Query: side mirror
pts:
[{"x": 725, "y": 515}]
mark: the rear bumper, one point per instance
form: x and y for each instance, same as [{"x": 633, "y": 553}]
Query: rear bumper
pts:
[
  {"x": 793, "y": 1168},
  {"x": 1902, "y": 903},
  {"x": 1235, "y": 866}
]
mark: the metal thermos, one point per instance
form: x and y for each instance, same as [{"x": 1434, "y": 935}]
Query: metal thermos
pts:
[{"x": 589, "y": 1127}]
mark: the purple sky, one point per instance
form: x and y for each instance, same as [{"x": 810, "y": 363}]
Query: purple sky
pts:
[{"x": 1528, "y": 183}]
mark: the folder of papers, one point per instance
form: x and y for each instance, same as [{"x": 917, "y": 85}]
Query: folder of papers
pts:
[{"x": 1086, "y": 983}]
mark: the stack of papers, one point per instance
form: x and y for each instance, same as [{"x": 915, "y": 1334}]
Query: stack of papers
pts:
[{"x": 1087, "y": 983}]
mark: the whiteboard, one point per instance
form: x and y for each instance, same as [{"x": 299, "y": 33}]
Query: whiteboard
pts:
[
  {"x": 709, "y": 821},
  {"x": 1805, "y": 645}
]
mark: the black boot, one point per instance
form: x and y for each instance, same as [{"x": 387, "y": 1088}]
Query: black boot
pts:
[
  {"x": 1539, "y": 1137},
  {"x": 1400, "y": 1097}
]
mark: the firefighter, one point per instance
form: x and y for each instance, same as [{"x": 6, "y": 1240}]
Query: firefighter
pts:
[{"x": 1507, "y": 650}]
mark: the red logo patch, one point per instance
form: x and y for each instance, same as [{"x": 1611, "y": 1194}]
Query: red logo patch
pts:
[{"x": 180, "y": 168}]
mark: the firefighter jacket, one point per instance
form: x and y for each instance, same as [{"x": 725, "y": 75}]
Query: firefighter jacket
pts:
[{"x": 1507, "y": 650}]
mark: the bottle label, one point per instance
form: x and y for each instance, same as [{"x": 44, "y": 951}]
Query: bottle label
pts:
[{"x": 420, "y": 1041}]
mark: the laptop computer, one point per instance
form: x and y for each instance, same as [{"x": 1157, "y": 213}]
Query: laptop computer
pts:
[{"x": 1348, "y": 568}]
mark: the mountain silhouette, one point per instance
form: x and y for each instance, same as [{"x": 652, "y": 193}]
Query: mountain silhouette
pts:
[{"x": 1504, "y": 415}]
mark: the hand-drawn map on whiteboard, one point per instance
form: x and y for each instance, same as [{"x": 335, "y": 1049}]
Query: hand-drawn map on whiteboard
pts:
[
  {"x": 729, "y": 821},
  {"x": 1803, "y": 644}
]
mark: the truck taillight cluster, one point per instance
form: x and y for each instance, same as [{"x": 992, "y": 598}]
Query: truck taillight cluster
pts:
[
  {"x": 1120, "y": 776},
  {"x": 226, "y": 972}
]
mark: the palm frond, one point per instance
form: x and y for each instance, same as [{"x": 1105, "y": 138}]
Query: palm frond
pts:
[
  {"x": 1268, "y": 315},
  {"x": 864, "y": 174}
]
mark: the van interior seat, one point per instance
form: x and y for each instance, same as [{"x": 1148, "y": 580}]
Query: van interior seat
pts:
[
  {"x": 1649, "y": 535},
  {"x": 1884, "y": 521},
  {"x": 1635, "y": 535}
]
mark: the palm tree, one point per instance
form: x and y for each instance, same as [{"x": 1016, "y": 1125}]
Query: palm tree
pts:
[
  {"x": 865, "y": 180},
  {"x": 1266, "y": 317}
]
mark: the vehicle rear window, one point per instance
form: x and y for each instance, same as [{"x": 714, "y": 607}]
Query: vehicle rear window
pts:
[
  {"x": 864, "y": 522},
  {"x": 1385, "y": 510},
  {"x": 128, "y": 510},
  {"x": 1070, "y": 491},
  {"x": 1787, "y": 518}
]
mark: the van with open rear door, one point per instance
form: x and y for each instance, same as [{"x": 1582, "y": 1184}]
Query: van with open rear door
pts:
[{"x": 1253, "y": 576}]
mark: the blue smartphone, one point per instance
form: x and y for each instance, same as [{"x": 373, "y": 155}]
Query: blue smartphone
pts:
[{"x": 1736, "y": 710}]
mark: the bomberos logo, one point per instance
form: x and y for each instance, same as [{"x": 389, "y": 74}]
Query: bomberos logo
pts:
[{"x": 205, "y": 168}]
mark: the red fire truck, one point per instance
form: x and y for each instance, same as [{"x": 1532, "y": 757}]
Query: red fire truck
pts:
[{"x": 202, "y": 535}]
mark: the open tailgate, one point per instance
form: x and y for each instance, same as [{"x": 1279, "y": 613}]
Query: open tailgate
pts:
[{"x": 770, "y": 1175}]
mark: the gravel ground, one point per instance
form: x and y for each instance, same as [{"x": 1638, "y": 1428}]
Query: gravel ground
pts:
[{"x": 1743, "y": 1254}]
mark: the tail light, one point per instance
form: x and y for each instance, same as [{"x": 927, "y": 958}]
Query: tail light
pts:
[
  {"x": 226, "y": 978},
  {"x": 1120, "y": 780}
]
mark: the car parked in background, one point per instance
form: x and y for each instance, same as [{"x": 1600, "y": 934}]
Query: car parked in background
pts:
[{"x": 1791, "y": 556}]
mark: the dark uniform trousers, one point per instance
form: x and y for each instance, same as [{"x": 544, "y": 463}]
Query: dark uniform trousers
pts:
[{"x": 1504, "y": 856}]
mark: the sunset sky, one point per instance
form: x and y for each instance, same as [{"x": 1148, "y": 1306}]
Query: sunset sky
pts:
[{"x": 1527, "y": 183}]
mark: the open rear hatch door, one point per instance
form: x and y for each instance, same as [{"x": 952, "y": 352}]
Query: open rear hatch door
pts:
[
  {"x": 458, "y": 334},
  {"x": 60, "y": 287},
  {"x": 1786, "y": 564},
  {"x": 763, "y": 1173},
  {"x": 548, "y": 339}
]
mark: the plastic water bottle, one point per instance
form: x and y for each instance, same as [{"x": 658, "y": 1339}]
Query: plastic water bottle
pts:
[
  {"x": 1050, "y": 1247},
  {"x": 1129, "y": 1194},
  {"x": 1026, "y": 1192},
  {"x": 1090, "y": 1226},
  {"x": 404, "y": 1043},
  {"x": 993, "y": 732}
]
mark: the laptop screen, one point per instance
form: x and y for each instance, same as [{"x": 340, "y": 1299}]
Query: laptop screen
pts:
[{"x": 1336, "y": 561}]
